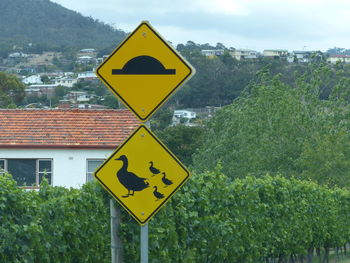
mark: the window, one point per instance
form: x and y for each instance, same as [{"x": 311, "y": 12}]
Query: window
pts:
[
  {"x": 92, "y": 165},
  {"x": 28, "y": 172},
  {"x": 2, "y": 166},
  {"x": 44, "y": 170}
]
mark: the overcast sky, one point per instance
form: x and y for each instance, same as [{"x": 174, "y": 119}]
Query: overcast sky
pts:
[{"x": 253, "y": 24}]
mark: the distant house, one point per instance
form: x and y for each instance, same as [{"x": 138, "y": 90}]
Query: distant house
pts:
[
  {"x": 275, "y": 53},
  {"x": 41, "y": 90},
  {"x": 302, "y": 56},
  {"x": 241, "y": 54},
  {"x": 66, "y": 82},
  {"x": 88, "y": 50},
  {"x": 33, "y": 79},
  {"x": 66, "y": 146},
  {"x": 183, "y": 116},
  {"x": 18, "y": 55},
  {"x": 85, "y": 60},
  {"x": 213, "y": 52},
  {"x": 79, "y": 96},
  {"x": 87, "y": 75},
  {"x": 338, "y": 58}
]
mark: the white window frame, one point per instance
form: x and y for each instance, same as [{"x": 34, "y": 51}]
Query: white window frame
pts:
[
  {"x": 37, "y": 173},
  {"x": 5, "y": 167},
  {"x": 87, "y": 168}
]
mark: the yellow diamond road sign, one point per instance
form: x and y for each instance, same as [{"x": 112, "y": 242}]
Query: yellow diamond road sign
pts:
[
  {"x": 142, "y": 174},
  {"x": 144, "y": 71}
]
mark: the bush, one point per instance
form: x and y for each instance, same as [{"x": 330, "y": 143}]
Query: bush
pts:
[{"x": 212, "y": 219}]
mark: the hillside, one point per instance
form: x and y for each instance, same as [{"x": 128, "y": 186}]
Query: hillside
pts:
[{"x": 49, "y": 26}]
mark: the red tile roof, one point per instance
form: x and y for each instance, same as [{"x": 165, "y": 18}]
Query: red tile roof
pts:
[{"x": 59, "y": 128}]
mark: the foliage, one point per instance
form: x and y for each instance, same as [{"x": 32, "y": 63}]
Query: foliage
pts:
[
  {"x": 277, "y": 128},
  {"x": 183, "y": 141},
  {"x": 11, "y": 90},
  {"x": 220, "y": 80},
  {"x": 161, "y": 119},
  {"x": 212, "y": 219}
]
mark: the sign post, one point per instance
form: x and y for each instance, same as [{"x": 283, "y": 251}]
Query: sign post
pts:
[
  {"x": 144, "y": 243},
  {"x": 142, "y": 173}
]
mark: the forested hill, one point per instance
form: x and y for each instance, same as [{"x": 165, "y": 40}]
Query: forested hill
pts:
[{"x": 49, "y": 26}]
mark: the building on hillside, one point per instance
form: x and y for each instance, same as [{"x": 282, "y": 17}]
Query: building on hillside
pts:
[
  {"x": 241, "y": 54},
  {"x": 87, "y": 50},
  {"x": 338, "y": 58},
  {"x": 65, "y": 146},
  {"x": 183, "y": 117},
  {"x": 213, "y": 52},
  {"x": 84, "y": 60},
  {"x": 87, "y": 76},
  {"x": 66, "y": 81},
  {"x": 79, "y": 96},
  {"x": 301, "y": 56},
  {"x": 18, "y": 55},
  {"x": 33, "y": 79},
  {"x": 275, "y": 53},
  {"x": 39, "y": 90}
]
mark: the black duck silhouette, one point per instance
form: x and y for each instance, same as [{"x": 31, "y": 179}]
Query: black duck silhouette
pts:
[
  {"x": 130, "y": 180},
  {"x": 166, "y": 181},
  {"x": 153, "y": 170},
  {"x": 157, "y": 194}
]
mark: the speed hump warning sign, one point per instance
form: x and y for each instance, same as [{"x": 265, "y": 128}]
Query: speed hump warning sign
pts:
[{"x": 144, "y": 71}]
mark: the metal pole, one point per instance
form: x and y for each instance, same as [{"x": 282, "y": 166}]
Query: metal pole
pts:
[
  {"x": 144, "y": 243},
  {"x": 116, "y": 245},
  {"x": 144, "y": 231}
]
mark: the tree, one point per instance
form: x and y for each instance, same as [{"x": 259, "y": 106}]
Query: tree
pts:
[
  {"x": 277, "y": 128},
  {"x": 183, "y": 141},
  {"x": 11, "y": 90}
]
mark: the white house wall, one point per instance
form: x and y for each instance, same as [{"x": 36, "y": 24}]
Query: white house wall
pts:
[{"x": 69, "y": 165}]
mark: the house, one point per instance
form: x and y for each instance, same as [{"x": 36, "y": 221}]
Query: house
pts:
[
  {"x": 87, "y": 76},
  {"x": 66, "y": 82},
  {"x": 338, "y": 58},
  {"x": 213, "y": 52},
  {"x": 79, "y": 96},
  {"x": 275, "y": 53},
  {"x": 41, "y": 90},
  {"x": 302, "y": 56},
  {"x": 241, "y": 54},
  {"x": 88, "y": 50},
  {"x": 33, "y": 79},
  {"x": 85, "y": 60},
  {"x": 66, "y": 146},
  {"x": 183, "y": 116}
]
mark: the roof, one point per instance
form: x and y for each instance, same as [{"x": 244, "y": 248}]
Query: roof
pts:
[
  {"x": 339, "y": 56},
  {"x": 61, "y": 128}
]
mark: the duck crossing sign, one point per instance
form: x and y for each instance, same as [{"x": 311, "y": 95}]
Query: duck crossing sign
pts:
[
  {"x": 144, "y": 71},
  {"x": 142, "y": 174}
]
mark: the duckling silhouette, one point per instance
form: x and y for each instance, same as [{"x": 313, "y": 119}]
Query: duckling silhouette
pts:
[
  {"x": 166, "y": 181},
  {"x": 153, "y": 170},
  {"x": 130, "y": 180},
  {"x": 157, "y": 194}
]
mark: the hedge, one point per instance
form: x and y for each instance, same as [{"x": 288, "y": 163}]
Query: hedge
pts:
[{"x": 212, "y": 219}]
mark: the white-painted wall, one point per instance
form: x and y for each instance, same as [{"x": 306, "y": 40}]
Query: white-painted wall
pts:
[{"x": 69, "y": 165}]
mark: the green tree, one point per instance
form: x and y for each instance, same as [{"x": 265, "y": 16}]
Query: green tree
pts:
[
  {"x": 277, "y": 128},
  {"x": 183, "y": 141},
  {"x": 11, "y": 90}
]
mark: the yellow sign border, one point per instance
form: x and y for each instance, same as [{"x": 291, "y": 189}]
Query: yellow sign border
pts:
[
  {"x": 182, "y": 82},
  {"x": 163, "y": 201}
]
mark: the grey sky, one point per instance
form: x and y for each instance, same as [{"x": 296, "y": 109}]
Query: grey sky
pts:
[{"x": 255, "y": 24}]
